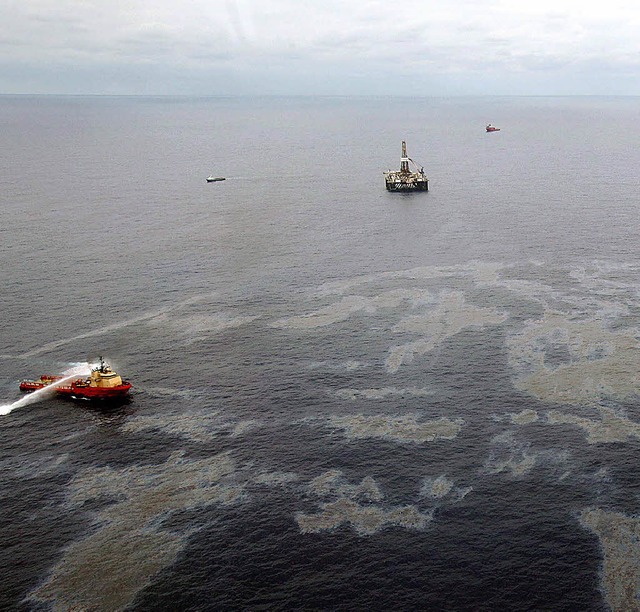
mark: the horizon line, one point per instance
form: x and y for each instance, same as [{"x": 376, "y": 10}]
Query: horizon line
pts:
[{"x": 294, "y": 95}]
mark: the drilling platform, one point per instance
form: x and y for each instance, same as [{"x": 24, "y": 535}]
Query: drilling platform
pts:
[{"x": 404, "y": 179}]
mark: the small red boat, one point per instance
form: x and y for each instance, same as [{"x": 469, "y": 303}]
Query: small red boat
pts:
[
  {"x": 103, "y": 383},
  {"x": 491, "y": 128}
]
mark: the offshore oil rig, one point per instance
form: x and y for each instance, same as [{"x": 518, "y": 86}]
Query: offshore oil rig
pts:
[{"x": 404, "y": 179}]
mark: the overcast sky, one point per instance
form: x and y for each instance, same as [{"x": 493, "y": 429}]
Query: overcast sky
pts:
[{"x": 387, "y": 47}]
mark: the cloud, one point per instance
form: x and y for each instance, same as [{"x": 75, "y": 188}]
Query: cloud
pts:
[{"x": 293, "y": 42}]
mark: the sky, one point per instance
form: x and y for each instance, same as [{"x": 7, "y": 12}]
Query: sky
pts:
[{"x": 320, "y": 47}]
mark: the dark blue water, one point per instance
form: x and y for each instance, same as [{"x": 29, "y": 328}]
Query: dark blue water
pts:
[{"x": 343, "y": 398}]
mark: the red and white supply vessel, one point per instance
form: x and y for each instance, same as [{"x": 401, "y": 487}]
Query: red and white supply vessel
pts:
[{"x": 102, "y": 384}]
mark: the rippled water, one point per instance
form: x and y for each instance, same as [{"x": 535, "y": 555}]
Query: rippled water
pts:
[{"x": 343, "y": 398}]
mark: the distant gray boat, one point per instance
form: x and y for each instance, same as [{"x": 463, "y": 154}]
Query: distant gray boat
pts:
[{"x": 214, "y": 179}]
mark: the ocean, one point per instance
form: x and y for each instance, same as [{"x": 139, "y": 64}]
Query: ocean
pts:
[{"x": 343, "y": 398}]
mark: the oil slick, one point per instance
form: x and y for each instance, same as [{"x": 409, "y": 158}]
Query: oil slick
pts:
[
  {"x": 129, "y": 546},
  {"x": 200, "y": 426},
  {"x": 129, "y": 543},
  {"x": 196, "y": 425},
  {"x": 524, "y": 417},
  {"x": 274, "y": 479},
  {"x": 612, "y": 426},
  {"x": 441, "y": 488},
  {"x": 571, "y": 347},
  {"x": 510, "y": 455},
  {"x": 559, "y": 359},
  {"x": 332, "y": 482},
  {"x": 436, "y": 487},
  {"x": 400, "y": 428},
  {"x": 358, "y": 506},
  {"x": 477, "y": 271},
  {"x": 575, "y": 352},
  {"x": 619, "y": 537},
  {"x": 353, "y": 394},
  {"x": 451, "y": 316},
  {"x": 351, "y": 365},
  {"x": 192, "y": 328},
  {"x": 365, "y": 520},
  {"x": 349, "y": 305},
  {"x": 329, "y": 315},
  {"x": 362, "y": 507},
  {"x": 177, "y": 317},
  {"x": 28, "y": 466}
]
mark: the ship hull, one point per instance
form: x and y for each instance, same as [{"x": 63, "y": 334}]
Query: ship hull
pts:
[
  {"x": 77, "y": 389},
  {"x": 93, "y": 393}
]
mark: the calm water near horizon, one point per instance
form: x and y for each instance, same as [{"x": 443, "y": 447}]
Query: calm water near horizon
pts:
[{"x": 343, "y": 398}]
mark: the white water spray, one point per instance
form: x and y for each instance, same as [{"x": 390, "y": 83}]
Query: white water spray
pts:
[{"x": 83, "y": 369}]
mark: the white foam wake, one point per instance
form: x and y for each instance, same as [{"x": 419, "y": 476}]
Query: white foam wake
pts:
[{"x": 83, "y": 369}]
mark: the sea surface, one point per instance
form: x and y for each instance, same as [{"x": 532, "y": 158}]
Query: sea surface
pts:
[{"x": 343, "y": 398}]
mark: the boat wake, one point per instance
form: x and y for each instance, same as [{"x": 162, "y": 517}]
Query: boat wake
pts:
[{"x": 82, "y": 369}]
